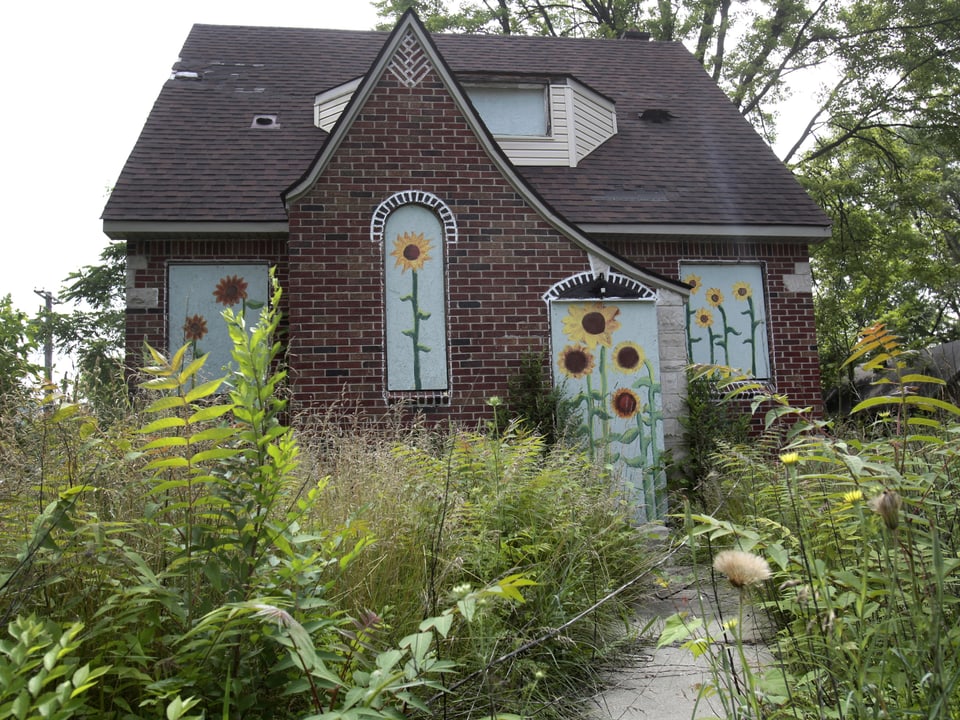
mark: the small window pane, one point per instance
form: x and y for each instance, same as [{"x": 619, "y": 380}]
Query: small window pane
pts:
[{"x": 512, "y": 110}]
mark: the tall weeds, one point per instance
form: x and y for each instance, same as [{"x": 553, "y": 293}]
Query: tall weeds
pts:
[
  {"x": 862, "y": 533},
  {"x": 204, "y": 559}
]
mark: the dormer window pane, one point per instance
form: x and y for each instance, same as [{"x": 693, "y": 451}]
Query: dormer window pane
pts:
[{"x": 512, "y": 110}]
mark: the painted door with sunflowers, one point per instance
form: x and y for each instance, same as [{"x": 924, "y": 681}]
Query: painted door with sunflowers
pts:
[{"x": 606, "y": 359}]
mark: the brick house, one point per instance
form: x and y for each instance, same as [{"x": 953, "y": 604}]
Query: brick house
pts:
[{"x": 438, "y": 207}]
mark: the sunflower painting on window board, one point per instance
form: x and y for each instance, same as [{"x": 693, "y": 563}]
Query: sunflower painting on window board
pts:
[
  {"x": 726, "y": 316},
  {"x": 198, "y": 295},
  {"x": 606, "y": 358},
  {"x": 415, "y": 303}
]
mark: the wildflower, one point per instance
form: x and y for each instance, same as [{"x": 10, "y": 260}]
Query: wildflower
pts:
[
  {"x": 853, "y": 496},
  {"x": 270, "y": 612},
  {"x": 790, "y": 458},
  {"x": 887, "y": 506},
  {"x": 741, "y": 568}
]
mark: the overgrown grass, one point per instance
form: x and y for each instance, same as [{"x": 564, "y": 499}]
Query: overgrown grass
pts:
[
  {"x": 201, "y": 559},
  {"x": 861, "y": 533}
]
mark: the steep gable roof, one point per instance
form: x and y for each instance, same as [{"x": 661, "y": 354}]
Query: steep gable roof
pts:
[
  {"x": 202, "y": 159},
  {"x": 409, "y": 55}
]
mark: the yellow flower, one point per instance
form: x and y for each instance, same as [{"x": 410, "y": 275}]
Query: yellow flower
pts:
[
  {"x": 741, "y": 568},
  {"x": 625, "y": 403},
  {"x": 575, "y": 361},
  {"x": 411, "y": 251},
  {"x": 790, "y": 458},
  {"x": 714, "y": 297},
  {"x": 628, "y": 357},
  {"x": 742, "y": 290},
  {"x": 695, "y": 283},
  {"x": 591, "y": 324},
  {"x": 704, "y": 318},
  {"x": 853, "y": 496}
]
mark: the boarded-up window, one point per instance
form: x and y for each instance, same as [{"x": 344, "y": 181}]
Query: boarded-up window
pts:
[
  {"x": 416, "y": 314},
  {"x": 198, "y": 295},
  {"x": 726, "y": 316}
]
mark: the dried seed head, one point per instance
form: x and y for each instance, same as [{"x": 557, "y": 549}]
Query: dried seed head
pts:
[
  {"x": 887, "y": 506},
  {"x": 741, "y": 568}
]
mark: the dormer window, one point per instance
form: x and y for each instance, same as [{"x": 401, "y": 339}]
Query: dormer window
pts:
[
  {"x": 535, "y": 120},
  {"x": 520, "y": 110}
]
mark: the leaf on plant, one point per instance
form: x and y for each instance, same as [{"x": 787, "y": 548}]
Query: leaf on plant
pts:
[{"x": 678, "y": 628}]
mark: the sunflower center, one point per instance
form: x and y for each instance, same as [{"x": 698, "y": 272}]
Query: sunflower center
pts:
[
  {"x": 594, "y": 323},
  {"x": 628, "y": 357},
  {"x": 411, "y": 252},
  {"x": 575, "y": 361},
  {"x": 625, "y": 403}
]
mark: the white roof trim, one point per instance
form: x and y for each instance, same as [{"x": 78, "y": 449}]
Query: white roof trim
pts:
[
  {"x": 817, "y": 232},
  {"x": 410, "y": 23}
]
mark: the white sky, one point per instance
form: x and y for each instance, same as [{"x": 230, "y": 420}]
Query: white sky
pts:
[{"x": 79, "y": 79}]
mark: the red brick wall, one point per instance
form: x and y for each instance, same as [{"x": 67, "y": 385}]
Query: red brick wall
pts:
[
  {"x": 149, "y": 324},
  {"x": 790, "y": 318},
  {"x": 505, "y": 258}
]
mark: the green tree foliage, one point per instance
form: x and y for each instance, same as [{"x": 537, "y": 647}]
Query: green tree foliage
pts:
[
  {"x": 895, "y": 203},
  {"x": 18, "y": 339},
  {"x": 92, "y": 331}
]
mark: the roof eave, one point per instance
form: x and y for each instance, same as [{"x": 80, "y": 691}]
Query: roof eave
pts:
[
  {"x": 123, "y": 229},
  {"x": 813, "y": 233}
]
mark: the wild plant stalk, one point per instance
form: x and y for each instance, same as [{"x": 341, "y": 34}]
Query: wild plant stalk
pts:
[{"x": 866, "y": 599}]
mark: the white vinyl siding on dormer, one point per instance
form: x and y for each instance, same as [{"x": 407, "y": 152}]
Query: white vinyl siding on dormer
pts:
[
  {"x": 328, "y": 106},
  {"x": 595, "y": 119},
  {"x": 579, "y": 120}
]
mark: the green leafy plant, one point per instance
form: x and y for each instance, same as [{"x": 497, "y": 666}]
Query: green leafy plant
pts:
[
  {"x": 204, "y": 579},
  {"x": 861, "y": 536},
  {"x": 40, "y": 673}
]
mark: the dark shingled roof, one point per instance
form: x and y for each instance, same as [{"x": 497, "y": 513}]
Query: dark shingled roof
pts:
[{"x": 199, "y": 159}]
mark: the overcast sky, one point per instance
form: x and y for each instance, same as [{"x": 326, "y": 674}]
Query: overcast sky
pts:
[{"x": 79, "y": 79}]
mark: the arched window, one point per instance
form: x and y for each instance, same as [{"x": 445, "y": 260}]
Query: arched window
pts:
[{"x": 413, "y": 228}]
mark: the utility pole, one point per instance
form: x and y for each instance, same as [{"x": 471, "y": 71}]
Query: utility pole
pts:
[{"x": 47, "y": 335}]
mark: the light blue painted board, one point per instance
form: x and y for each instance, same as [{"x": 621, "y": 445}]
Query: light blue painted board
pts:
[
  {"x": 415, "y": 303},
  {"x": 726, "y": 316},
  {"x": 606, "y": 358},
  {"x": 198, "y": 294}
]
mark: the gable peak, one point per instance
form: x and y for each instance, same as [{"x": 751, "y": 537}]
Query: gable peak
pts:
[{"x": 410, "y": 62}]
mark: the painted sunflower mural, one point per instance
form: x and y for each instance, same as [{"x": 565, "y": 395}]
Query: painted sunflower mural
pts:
[
  {"x": 198, "y": 294},
  {"x": 606, "y": 358},
  {"x": 726, "y": 323},
  {"x": 415, "y": 301}
]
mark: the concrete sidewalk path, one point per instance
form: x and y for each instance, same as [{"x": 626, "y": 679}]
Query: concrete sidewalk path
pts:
[{"x": 665, "y": 683}]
